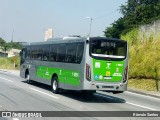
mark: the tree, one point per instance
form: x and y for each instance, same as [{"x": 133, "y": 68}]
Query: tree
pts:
[
  {"x": 116, "y": 29},
  {"x": 14, "y": 45},
  {"x": 2, "y": 42},
  {"x": 138, "y": 12},
  {"x": 135, "y": 13},
  {"x": 4, "y": 46}
]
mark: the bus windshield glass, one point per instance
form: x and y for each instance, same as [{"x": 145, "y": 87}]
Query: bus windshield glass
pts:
[{"x": 112, "y": 49}]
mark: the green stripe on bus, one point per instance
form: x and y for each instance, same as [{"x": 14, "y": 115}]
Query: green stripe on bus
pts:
[{"x": 64, "y": 76}]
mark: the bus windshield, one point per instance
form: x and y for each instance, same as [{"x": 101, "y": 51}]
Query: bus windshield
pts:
[{"x": 113, "y": 49}]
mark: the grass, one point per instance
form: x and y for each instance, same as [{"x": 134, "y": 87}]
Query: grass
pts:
[
  {"x": 144, "y": 60},
  {"x": 144, "y": 84},
  {"x": 8, "y": 63},
  {"x": 144, "y": 56}
]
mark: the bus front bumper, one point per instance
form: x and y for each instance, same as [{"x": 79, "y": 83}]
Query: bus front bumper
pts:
[{"x": 109, "y": 86}]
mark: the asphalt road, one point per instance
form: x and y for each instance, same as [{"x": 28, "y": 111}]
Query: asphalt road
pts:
[{"x": 17, "y": 95}]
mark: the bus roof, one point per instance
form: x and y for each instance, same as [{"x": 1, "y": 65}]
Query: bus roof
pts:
[
  {"x": 105, "y": 38},
  {"x": 61, "y": 40},
  {"x": 71, "y": 39}
]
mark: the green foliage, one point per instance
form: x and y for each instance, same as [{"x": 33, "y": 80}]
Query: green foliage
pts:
[
  {"x": 135, "y": 13},
  {"x": 144, "y": 59},
  {"x": 145, "y": 84},
  {"x": 8, "y": 63},
  {"x": 6, "y": 46},
  {"x": 115, "y": 30},
  {"x": 138, "y": 12},
  {"x": 2, "y": 42},
  {"x": 131, "y": 37},
  {"x": 14, "y": 45}
]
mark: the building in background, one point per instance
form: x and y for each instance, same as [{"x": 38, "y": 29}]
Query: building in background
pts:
[
  {"x": 9, "y": 53},
  {"x": 49, "y": 34},
  {"x": 13, "y": 52}
]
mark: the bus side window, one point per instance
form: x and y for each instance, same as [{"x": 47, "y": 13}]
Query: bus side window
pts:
[
  {"x": 33, "y": 52},
  {"x": 53, "y": 53},
  {"x": 39, "y": 53},
  {"x": 28, "y": 53},
  {"x": 71, "y": 53},
  {"x": 23, "y": 55},
  {"x": 61, "y": 53},
  {"x": 46, "y": 53},
  {"x": 79, "y": 52}
]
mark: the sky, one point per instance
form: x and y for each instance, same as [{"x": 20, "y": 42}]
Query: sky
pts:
[{"x": 27, "y": 20}]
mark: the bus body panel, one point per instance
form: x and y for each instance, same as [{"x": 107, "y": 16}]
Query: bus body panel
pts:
[
  {"x": 73, "y": 76},
  {"x": 70, "y": 75},
  {"x": 23, "y": 70},
  {"x": 106, "y": 74}
]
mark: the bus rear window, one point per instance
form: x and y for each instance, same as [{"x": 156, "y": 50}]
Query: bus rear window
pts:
[{"x": 108, "y": 49}]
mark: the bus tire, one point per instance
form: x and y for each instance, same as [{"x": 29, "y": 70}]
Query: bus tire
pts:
[
  {"x": 55, "y": 86},
  {"x": 29, "y": 81}
]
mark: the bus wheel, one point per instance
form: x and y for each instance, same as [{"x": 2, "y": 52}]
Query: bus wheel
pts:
[
  {"x": 28, "y": 78},
  {"x": 55, "y": 88}
]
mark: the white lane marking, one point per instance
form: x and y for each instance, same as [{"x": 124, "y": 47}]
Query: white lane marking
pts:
[
  {"x": 6, "y": 79},
  {"x": 141, "y": 106},
  {"x": 43, "y": 92},
  {"x": 15, "y": 119},
  {"x": 142, "y": 95},
  {"x": 129, "y": 103}
]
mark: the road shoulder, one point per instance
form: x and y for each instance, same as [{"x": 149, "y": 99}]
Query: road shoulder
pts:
[
  {"x": 144, "y": 92},
  {"x": 14, "y": 72},
  {"x": 134, "y": 90}
]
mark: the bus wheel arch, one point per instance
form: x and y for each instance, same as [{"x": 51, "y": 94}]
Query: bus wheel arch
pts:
[
  {"x": 27, "y": 76},
  {"x": 26, "y": 73},
  {"x": 55, "y": 84}
]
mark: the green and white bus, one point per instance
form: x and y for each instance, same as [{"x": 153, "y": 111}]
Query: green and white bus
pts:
[{"x": 77, "y": 63}]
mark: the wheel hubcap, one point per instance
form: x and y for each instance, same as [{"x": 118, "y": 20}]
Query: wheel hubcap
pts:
[{"x": 54, "y": 85}]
